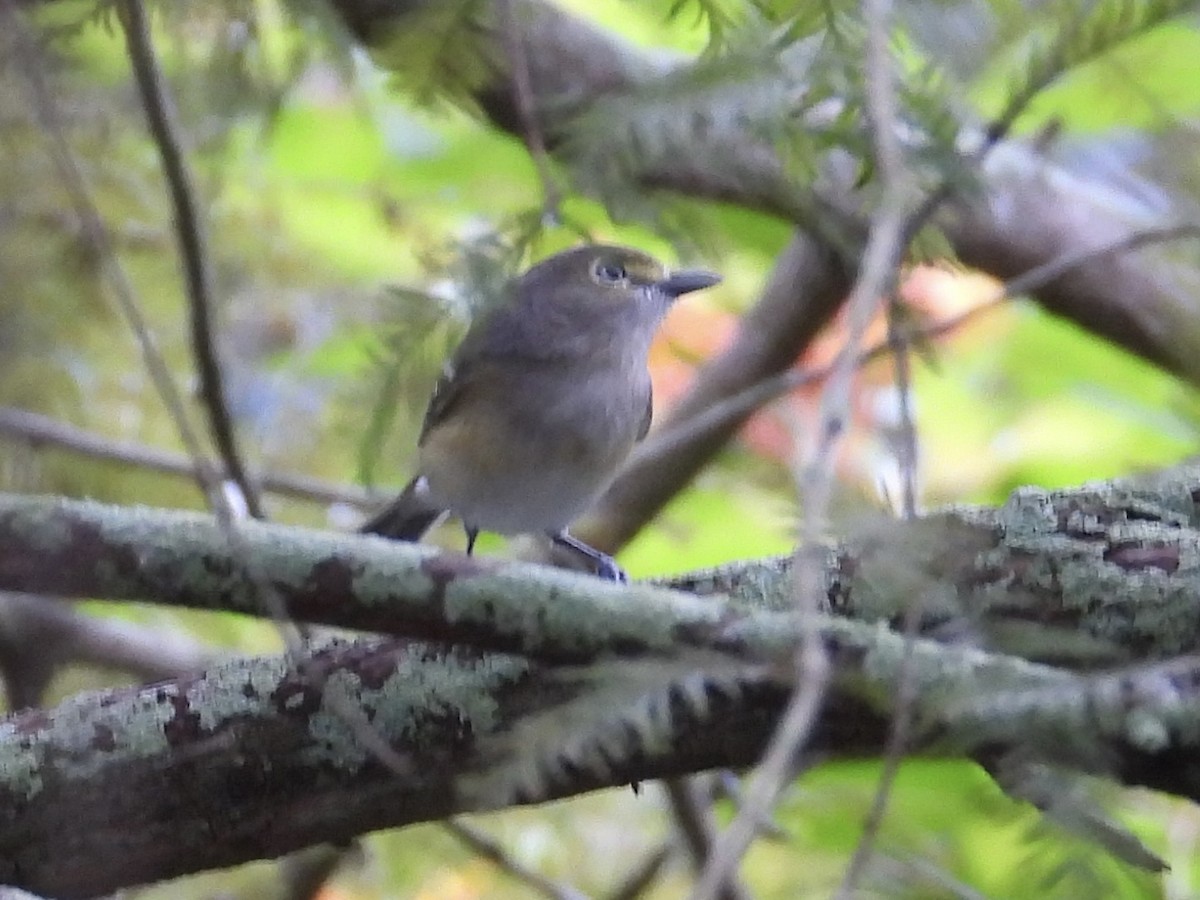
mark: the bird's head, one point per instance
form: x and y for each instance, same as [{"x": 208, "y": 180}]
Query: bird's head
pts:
[{"x": 598, "y": 289}]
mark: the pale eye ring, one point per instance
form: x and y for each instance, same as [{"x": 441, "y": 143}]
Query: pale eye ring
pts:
[{"x": 608, "y": 272}]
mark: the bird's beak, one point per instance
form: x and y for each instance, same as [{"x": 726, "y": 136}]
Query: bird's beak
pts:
[{"x": 687, "y": 280}]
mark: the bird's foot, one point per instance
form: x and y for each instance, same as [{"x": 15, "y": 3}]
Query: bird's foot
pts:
[{"x": 605, "y": 566}]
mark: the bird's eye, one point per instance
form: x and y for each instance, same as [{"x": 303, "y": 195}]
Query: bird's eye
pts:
[{"x": 610, "y": 272}]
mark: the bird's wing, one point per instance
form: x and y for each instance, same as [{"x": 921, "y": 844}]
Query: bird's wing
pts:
[
  {"x": 488, "y": 335},
  {"x": 446, "y": 393},
  {"x": 648, "y": 415},
  {"x": 459, "y": 371}
]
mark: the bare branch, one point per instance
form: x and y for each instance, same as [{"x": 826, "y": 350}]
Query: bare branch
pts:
[
  {"x": 483, "y": 845},
  {"x": 193, "y": 243},
  {"x": 39, "y": 635},
  {"x": 39, "y": 430},
  {"x": 877, "y": 275},
  {"x": 692, "y": 811},
  {"x": 1029, "y": 211},
  {"x": 56, "y": 630},
  {"x": 643, "y": 875}
]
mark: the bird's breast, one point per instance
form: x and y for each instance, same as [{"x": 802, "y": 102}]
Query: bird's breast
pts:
[{"x": 538, "y": 460}]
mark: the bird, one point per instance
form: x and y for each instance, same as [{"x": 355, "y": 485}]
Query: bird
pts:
[{"x": 543, "y": 399}]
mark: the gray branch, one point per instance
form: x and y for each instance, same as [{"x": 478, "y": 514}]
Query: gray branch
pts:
[
  {"x": 1028, "y": 212},
  {"x": 249, "y": 759}
]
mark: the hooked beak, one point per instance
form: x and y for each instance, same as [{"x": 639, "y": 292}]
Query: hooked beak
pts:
[{"x": 687, "y": 280}]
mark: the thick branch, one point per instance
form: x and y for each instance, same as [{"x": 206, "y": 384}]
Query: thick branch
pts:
[
  {"x": 250, "y": 760},
  {"x": 82, "y": 549},
  {"x": 1028, "y": 213},
  {"x": 1034, "y": 212},
  {"x": 39, "y": 431},
  {"x": 1115, "y": 567},
  {"x": 803, "y": 293}
]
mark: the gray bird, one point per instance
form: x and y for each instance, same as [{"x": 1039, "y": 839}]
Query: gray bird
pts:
[{"x": 542, "y": 401}]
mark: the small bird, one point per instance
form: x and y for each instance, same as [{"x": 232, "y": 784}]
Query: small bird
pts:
[{"x": 542, "y": 401}]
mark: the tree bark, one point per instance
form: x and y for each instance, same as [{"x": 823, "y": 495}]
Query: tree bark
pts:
[
  {"x": 257, "y": 757},
  {"x": 1028, "y": 211}
]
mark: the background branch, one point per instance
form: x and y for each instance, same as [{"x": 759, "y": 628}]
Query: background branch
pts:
[
  {"x": 96, "y": 235},
  {"x": 1132, "y": 526},
  {"x": 251, "y": 742},
  {"x": 42, "y": 431},
  {"x": 806, "y": 287},
  {"x": 1028, "y": 211},
  {"x": 483, "y": 845},
  {"x": 39, "y": 635}
]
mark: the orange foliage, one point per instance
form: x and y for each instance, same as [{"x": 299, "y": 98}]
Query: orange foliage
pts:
[{"x": 694, "y": 332}]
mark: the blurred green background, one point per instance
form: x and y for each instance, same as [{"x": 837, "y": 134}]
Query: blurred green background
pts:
[{"x": 338, "y": 206}]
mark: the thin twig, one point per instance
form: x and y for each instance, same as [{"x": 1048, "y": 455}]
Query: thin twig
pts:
[
  {"x": 727, "y": 785},
  {"x": 906, "y": 445},
  {"x": 906, "y": 695},
  {"x": 525, "y": 102},
  {"x": 489, "y": 849},
  {"x": 906, "y": 689},
  {"x": 38, "y": 430},
  {"x": 999, "y": 127},
  {"x": 877, "y": 274},
  {"x": 96, "y": 234},
  {"x": 776, "y": 765},
  {"x": 198, "y": 278},
  {"x": 643, "y": 875},
  {"x": 693, "y": 815},
  {"x": 893, "y": 754},
  {"x": 759, "y": 395},
  {"x": 193, "y": 243}
]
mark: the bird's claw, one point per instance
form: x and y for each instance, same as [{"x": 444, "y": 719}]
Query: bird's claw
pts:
[{"x": 607, "y": 568}]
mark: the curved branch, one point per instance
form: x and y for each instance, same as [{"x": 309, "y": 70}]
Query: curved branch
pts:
[
  {"x": 1028, "y": 212},
  {"x": 1024, "y": 578},
  {"x": 805, "y": 289},
  {"x": 1083, "y": 577},
  {"x": 38, "y": 430},
  {"x": 249, "y": 760}
]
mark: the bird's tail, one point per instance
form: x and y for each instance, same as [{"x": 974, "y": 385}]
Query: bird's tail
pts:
[{"x": 406, "y": 518}]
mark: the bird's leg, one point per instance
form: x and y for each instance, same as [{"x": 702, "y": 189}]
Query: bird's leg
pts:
[
  {"x": 606, "y": 566},
  {"x": 472, "y": 533}
]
